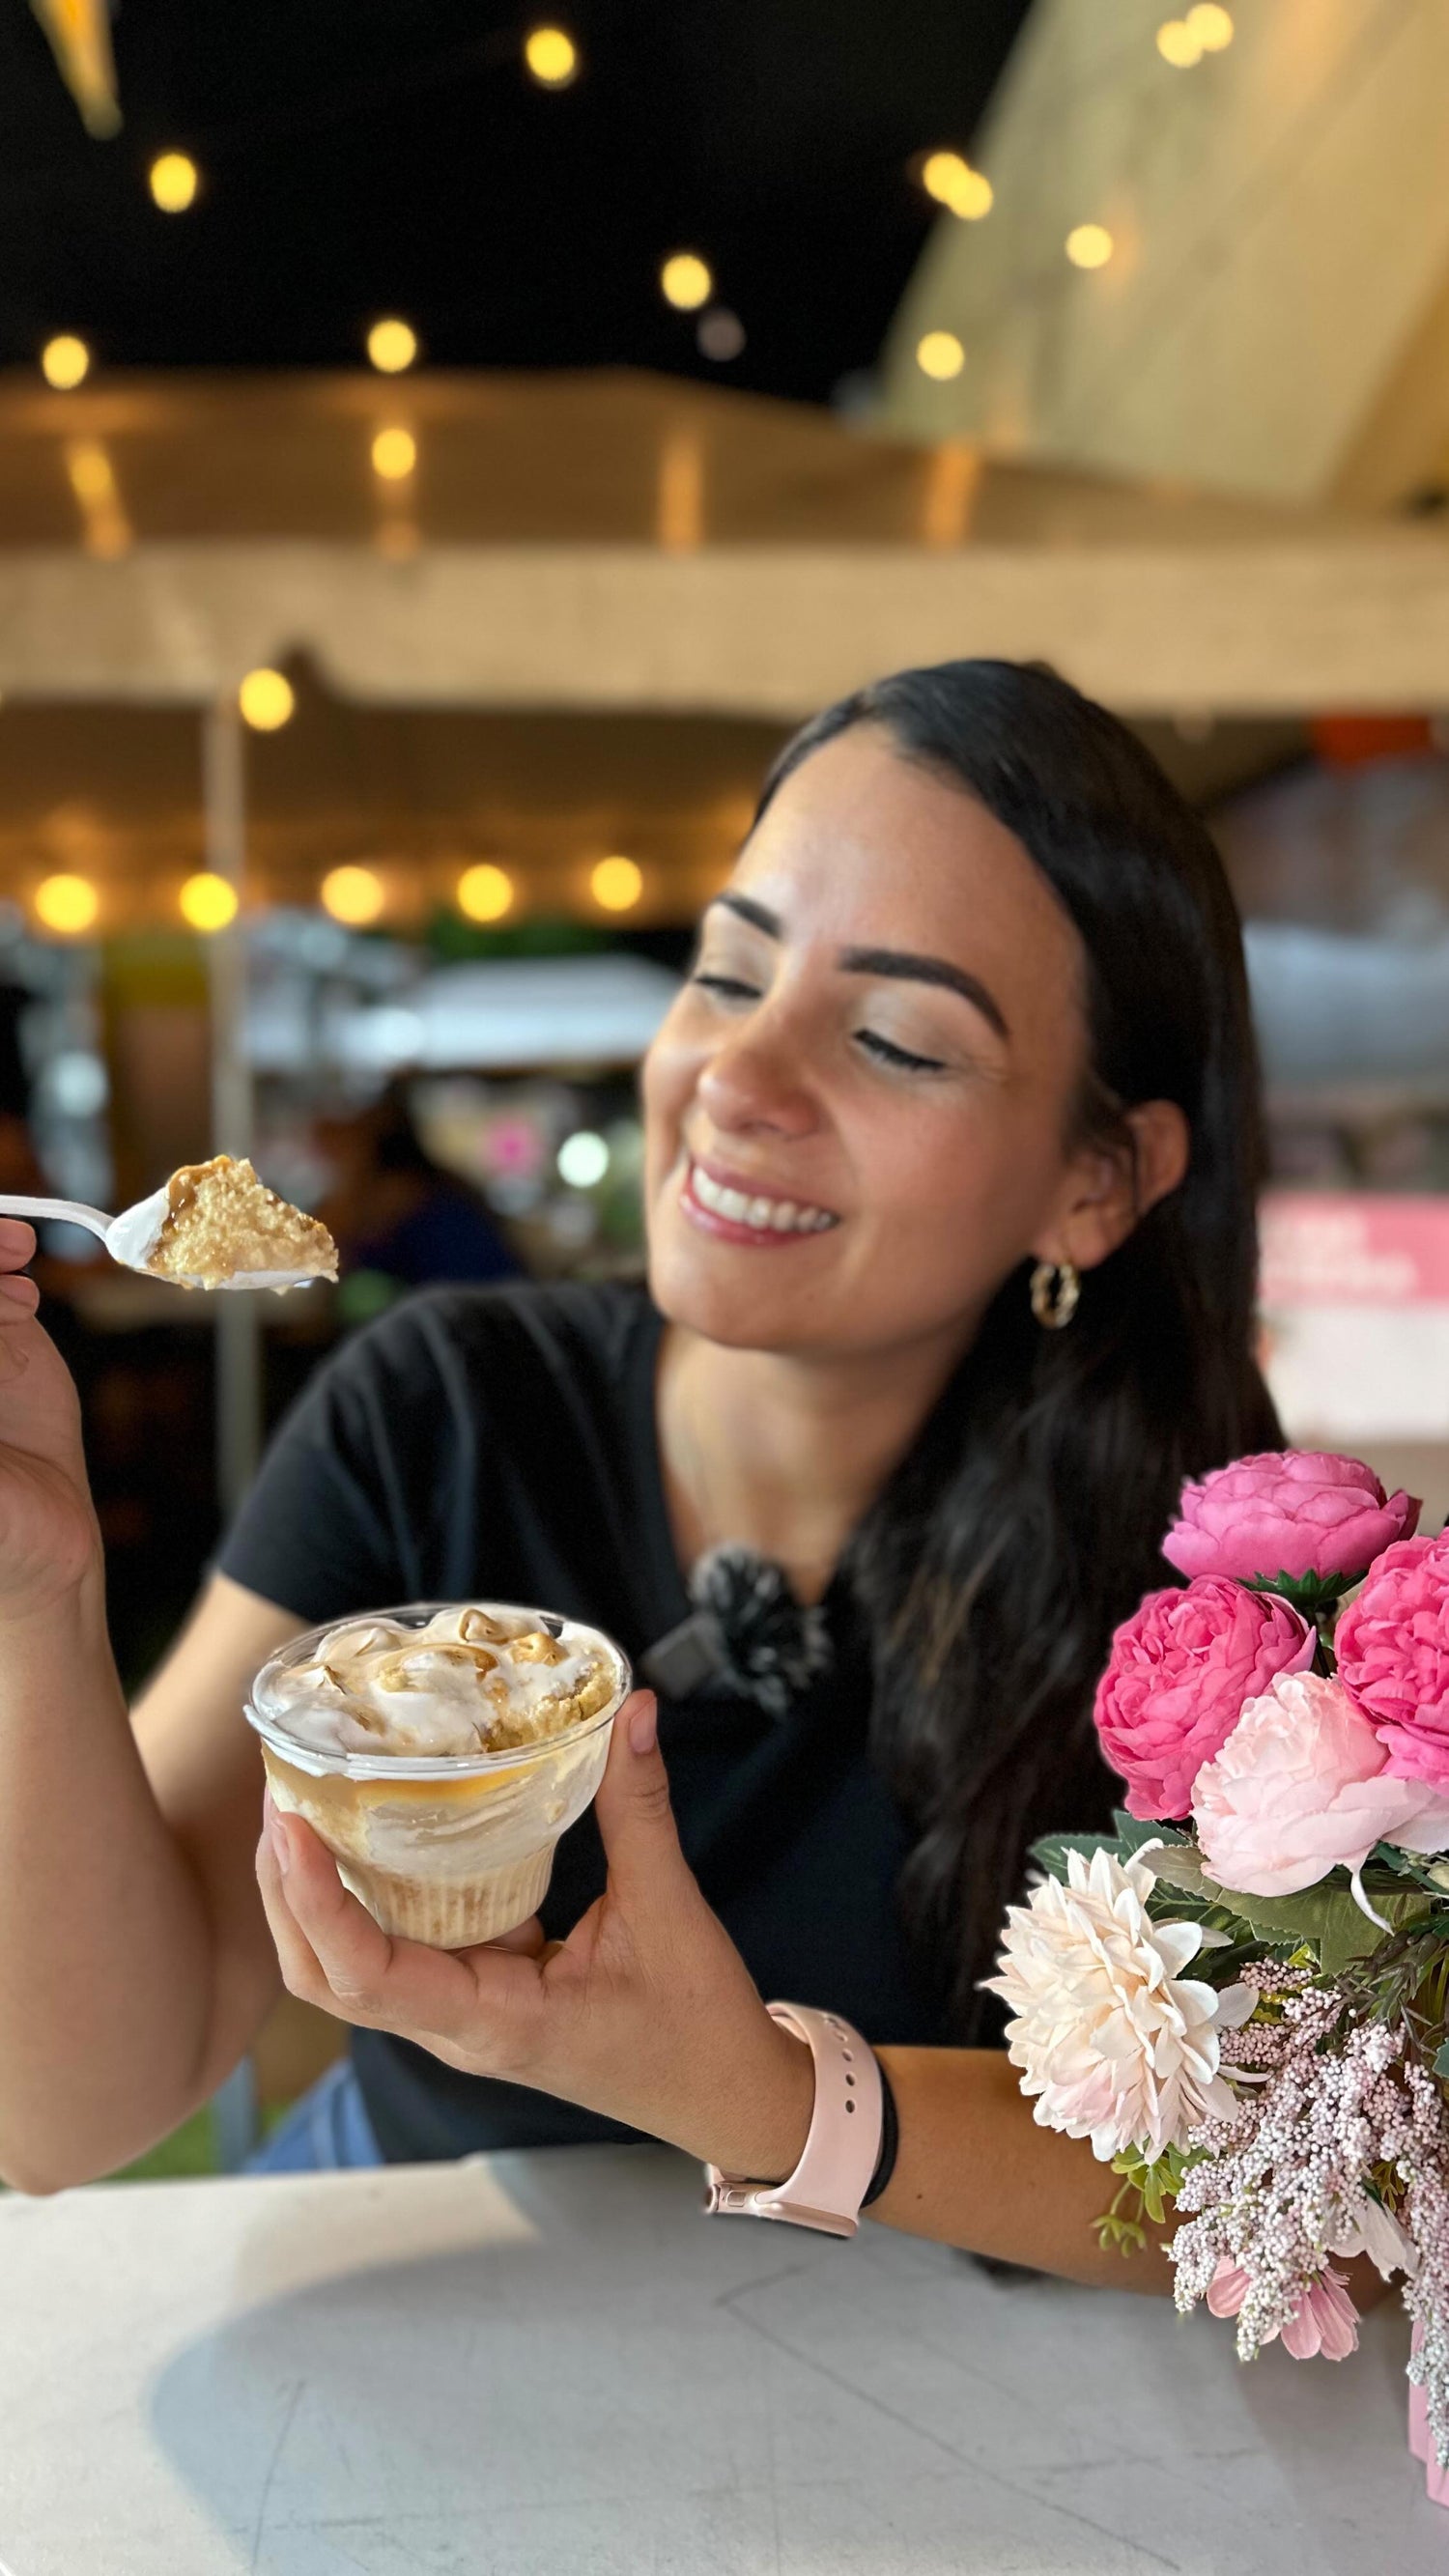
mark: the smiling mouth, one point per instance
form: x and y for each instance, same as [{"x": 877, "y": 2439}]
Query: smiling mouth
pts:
[{"x": 757, "y": 1215}]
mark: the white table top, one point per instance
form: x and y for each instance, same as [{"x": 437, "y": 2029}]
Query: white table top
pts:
[{"x": 550, "y": 2365}]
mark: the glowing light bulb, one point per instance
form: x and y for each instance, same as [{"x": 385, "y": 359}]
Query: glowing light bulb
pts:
[
  {"x": 551, "y": 55},
  {"x": 953, "y": 183},
  {"x": 1089, "y": 246},
  {"x": 208, "y": 902},
  {"x": 940, "y": 356},
  {"x": 67, "y": 904},
  {"x": 394, "y": 454},
  {"x": 616, "y": 884},
  {"x": 1178, "y": 44},
  {"x": 392, "y": 346},
  {"x": 485, "y": 893},
  {"x": 353, "y": 895},
  {"x": 687, "y": 281},
  {"x": 1212, "y": 26},
  {"x": 267, "y": 700},
  {"x": 174, "y": 182},
  {"x": 65, "y": 362}
]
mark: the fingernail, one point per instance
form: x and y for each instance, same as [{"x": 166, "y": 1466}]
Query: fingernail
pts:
[
  {"x": 644, "y": 1728},
  {"x": 14, "y": 1285}
]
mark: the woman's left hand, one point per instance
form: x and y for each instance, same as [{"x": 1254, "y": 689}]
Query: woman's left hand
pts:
[{"x": 646, "y": 2012}]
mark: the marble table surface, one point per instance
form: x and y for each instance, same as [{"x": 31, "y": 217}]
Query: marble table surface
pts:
[{"x": 551, "y": 2365}]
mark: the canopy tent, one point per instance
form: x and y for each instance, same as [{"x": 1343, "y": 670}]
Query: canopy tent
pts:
[{"x": 608, "y": 541}]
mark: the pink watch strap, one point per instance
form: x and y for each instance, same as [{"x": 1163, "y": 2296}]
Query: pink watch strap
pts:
[{"x": 841, "y": 2151}]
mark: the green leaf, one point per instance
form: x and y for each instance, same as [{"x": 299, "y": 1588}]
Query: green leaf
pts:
[
  {"x": 1051, "y": 1852},
  {"x": 1309, "y": 1593},
  {"x": 1327, "y": 1917},
  {"x": 1441, "y": 2062}
]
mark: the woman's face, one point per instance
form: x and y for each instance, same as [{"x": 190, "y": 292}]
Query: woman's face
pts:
[{"x": 858, "y": 1110}]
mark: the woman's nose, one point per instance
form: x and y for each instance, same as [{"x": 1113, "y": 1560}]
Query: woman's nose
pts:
[{"x": 756, "y": 1079}]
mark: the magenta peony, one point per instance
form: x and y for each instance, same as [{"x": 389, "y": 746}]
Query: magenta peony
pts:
[
  {"x": 1393, "y": 1652},
  {"x": 1299, "y": 1512},
  {"x": 1300, "y": 1787},
  {"x": 1181, "y": 1668}
]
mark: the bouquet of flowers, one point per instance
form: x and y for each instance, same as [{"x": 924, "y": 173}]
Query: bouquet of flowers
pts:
[{"x": 1241, "y": 1999}]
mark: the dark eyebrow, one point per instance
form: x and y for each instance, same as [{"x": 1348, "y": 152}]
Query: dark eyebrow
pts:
[
  {"x": 898, "y": 963},
  {"x": 906, "y": 969}
]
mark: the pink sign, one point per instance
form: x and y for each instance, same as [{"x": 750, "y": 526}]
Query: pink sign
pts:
[{"x": 1352, "y": 1248}]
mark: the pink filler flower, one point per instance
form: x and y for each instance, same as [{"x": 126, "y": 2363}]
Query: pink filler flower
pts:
[
  {"x": 1295, "y": 1512},
  {"x": 1180, "y": 1670},
  {"x": 1302, "y": 1786},
  {"x": 1325, "y": 2320},
  {"x": 1393, "y": 1652}
]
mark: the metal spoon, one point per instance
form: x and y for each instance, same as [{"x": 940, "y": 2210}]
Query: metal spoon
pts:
[{"x": 132, "y": 1237}]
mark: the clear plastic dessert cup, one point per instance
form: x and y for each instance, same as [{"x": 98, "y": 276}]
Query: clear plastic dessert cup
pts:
[{"x": 447, "y": 1849}]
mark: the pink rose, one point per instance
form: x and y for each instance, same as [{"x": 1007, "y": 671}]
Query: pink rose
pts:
[
  {"x": 1181, "y": 1668},
  {"x": 1393, "y": 1652},
  {"x": 1301, "y": 1787},
  {"x": 1298, "y": 1512}
]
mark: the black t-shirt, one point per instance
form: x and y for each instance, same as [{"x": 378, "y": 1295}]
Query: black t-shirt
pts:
[{"x": 499, "y": 1443}]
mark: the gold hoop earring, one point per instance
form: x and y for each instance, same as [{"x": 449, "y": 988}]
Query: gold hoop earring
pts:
[{"x": 1055, "y": 1288}]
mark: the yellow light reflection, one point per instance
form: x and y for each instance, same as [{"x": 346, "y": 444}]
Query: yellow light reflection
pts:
[
  {"x": 208, "y": 902},
  {"x": 1212, "y": 26},
  {"x": 1178, "y": 45},
  {"x": 485, "y": 893},
  {"x": 953, "y": 183},
  {"x": 267, "y": 700},
  {"x": 394, "y": 454},
  {"x": 687, "y": 281},
  {"x": 353, "y": 895},
  {"x": 616, "y": 884},
  {"x": 1089, "y": 246},
  {"x": 65, "y": 362},
  {"x": 67, "y": 905},
  {"x": 174, "y": 182},
  {"x": 940, "y": 356},
  {"x": 551, "y": 55},
  {"x": 392, "y": 346},
  {"x": 106, "y": 530}
]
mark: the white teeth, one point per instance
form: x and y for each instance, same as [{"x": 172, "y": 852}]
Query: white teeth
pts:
[{"x": 766, "y": 1216}]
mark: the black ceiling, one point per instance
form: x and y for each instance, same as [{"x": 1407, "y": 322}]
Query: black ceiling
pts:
[{"x": 362, "y": 156}]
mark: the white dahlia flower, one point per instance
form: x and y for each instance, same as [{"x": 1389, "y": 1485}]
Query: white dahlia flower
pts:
[{"x": 1115, "y": 2043}]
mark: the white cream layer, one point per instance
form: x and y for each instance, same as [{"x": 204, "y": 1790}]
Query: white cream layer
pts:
[{"x": 450, "y": 1688}]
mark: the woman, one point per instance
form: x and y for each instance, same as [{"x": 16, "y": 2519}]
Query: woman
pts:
[{"x": 967, "y": 1032}]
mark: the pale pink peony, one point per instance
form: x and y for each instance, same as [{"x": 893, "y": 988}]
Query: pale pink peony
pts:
[
  {"x": 1325, "y": 2321},
  {"x": 1294, "y": 1512},
  {"x": 1114, "y": 2042},
  {"x": 1393, "y": 1653},
  {"x": 1181, "y": 1668},
  {"x": 1302, "y": 1786}
]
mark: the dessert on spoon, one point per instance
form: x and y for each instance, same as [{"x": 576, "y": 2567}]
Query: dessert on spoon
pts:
[{"x": 212, "y": 1225}]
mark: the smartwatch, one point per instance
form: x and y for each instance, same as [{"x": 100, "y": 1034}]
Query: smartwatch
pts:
[{"x": 828, "y": 2187}]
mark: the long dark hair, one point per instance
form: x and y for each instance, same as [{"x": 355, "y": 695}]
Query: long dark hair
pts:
[{"x": 1027, "y": 1518}]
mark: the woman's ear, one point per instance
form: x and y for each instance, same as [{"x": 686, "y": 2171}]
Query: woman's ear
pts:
[{"x": 1111, "y": 1192}]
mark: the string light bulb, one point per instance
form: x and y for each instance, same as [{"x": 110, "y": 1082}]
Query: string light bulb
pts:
[
  {"x": 65, "y": 362},
  {"x": 551, "y": 55},
  {"x": 1178, "y": 45},
  {"x": 687, "y": 281},
  {"x": 392, "y": 345},
  {"x": 954, "y": 184},
  {"x": 208, "y": 902},
  {"x": 267, "y": 700},
  {"x": 174, "y": 181},
  {"x": 616, "y": 884},
  {"x": 1089, "y": 246},
  {"x": 394, "y": 454},
  {"x": 485, "y": 892},
  {"x": 1212, "y": 26},
  {"x": 940, "y": 356},
  {"x": 66, "y": 904},
  {"x": 353, "y": 895}
]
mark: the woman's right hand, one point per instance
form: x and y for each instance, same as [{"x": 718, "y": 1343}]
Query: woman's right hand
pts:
[{"x": 48, "y": 1533}]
